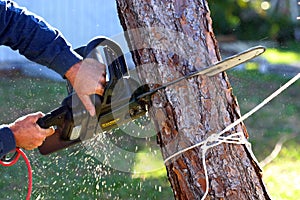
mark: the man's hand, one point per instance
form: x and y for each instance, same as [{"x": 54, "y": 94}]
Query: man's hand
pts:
[
  {"x": 87, "y": 77},
  {"x": 28, "y": 134}
]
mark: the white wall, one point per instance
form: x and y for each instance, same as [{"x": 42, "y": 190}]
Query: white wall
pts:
[{"x": 78, "y": 20}]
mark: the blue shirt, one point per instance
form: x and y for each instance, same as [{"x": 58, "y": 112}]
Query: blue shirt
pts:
[{"x": 37, "y": 41}]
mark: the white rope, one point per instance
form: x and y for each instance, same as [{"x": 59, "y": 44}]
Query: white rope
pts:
[{"x": 235, "y": 138}]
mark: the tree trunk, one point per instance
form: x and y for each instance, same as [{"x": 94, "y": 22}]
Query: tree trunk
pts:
[{"x": 168, "y": 39}]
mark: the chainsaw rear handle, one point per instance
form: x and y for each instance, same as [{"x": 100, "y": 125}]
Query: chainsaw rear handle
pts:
[
  {"x": 55, "y": 141},
  {"x": 53, "y": 118},
  {"x": 45, "y": 122},
  {"x": 57, "y": 116},
  {"x": 64, "y": 119}
]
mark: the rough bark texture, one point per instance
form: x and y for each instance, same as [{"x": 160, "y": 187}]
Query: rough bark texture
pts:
[{"x": 170, "y": 38}]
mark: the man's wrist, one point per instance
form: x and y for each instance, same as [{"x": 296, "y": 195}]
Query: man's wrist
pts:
[
  {"x": 7, "y": 141},
  {"x": 64, "y": 61},
  {"x": 72, "y": 72}
]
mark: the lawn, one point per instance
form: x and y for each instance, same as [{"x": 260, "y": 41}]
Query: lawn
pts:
[
  {"x": 285, "y": 54},
  {"x": 277, "y": 120},
  {"x": 87, "y": 172},
  {"x": 78, "y": 172}
]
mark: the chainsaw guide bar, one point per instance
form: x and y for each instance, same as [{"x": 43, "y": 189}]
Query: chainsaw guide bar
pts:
[{"x": 218, "y": 67}]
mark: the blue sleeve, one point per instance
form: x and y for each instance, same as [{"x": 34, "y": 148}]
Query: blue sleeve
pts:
[
  {"x": 7, "y": 141},
  {"x": 34, "y": 38}
]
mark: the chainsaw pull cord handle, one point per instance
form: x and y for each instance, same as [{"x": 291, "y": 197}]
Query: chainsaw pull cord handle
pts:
[{"x": 14, "y": 160}]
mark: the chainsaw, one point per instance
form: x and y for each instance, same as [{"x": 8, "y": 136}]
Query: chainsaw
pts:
[{"x": 124, "y": 98}]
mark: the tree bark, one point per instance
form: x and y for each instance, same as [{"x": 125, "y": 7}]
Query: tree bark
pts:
[{"x": 168, "y": 39}]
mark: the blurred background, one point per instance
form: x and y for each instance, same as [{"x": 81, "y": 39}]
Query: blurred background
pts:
[{"x": 78, "y": 173}]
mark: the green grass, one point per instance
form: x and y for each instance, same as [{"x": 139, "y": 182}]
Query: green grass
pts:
[
  {"x": 277, "y": 119},
  {"x": 276, "y": 56},
  {"x": 19, "y": 96},
  {"x": 284, "y": 55},
  {"x": 149, "y": 165},
  {"x": 73, "y": 174},
  {"x": 282, "y": 176}
]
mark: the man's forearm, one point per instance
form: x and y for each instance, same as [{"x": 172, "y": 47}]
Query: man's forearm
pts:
[{"x": 34, "y": 38}]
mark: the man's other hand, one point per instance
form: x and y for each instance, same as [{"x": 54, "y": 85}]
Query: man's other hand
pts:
[{"x": 87, "y": 77}]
